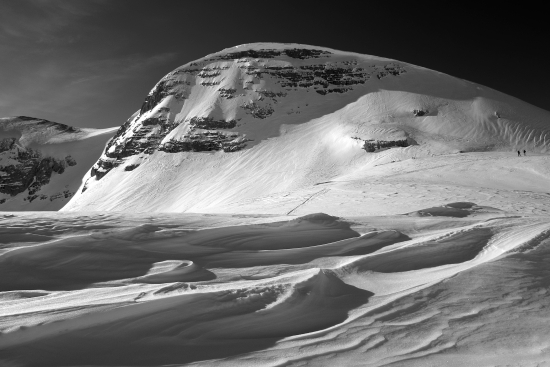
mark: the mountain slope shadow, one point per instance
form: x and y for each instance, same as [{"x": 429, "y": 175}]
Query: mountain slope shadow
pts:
[
  {"x": 193, "y": 327},
  {"x": 454, "y": 249},
  {"x": 77, "y": 262}
]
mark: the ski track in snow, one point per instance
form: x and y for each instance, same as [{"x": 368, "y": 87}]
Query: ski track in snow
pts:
[{"x": 318, "y": 193}]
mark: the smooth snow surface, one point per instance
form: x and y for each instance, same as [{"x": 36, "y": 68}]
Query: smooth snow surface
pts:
[{"x": 454, "y": 285}]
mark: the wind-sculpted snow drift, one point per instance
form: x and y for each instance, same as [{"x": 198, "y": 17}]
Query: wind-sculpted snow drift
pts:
[
  {"x": 261, "y": 119},
  {"x": 150, "y": 290},
  {"x": 42, "y": 162}
]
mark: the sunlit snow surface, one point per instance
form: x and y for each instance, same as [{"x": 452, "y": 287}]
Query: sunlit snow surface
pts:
[
  {"x": 433, "y": 254},
  {"x": 460, "y": 284}
]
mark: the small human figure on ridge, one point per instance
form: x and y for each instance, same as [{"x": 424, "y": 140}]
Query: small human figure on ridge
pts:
[
  {"x": 524, "y": 152},
  {"x": 519, "y": 153}
]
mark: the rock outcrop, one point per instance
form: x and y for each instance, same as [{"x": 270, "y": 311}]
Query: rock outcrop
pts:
[
  {"x": 372, "y": 146},
  {"x": 203, "y": 106},
  {"x": 30, "y": 169},
  {"x": 29, "y": 161}
]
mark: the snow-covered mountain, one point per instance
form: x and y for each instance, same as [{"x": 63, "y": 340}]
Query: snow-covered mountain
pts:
[
  {"x": 353, "y": 211},
  {"x": 42, "y": 162},
  {"x": 260, "y": 119}
]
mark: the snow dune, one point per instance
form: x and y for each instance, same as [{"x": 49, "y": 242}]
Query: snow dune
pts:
[
  {"x": 130, "y": 253},
  {"x": 151, "y": 290}
]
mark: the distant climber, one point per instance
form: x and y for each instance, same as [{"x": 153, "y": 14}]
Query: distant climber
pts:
[
  {"x": 524, "y": 152},
  {"x": 519, "y": 153}
]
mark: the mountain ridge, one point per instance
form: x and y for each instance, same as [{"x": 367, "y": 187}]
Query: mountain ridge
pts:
[
  {"x": 265, "y": 118},
  {"x": 42, "y": 162}
]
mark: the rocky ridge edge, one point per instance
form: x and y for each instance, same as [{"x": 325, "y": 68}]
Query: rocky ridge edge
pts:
[{"x": 28, "y": 169}]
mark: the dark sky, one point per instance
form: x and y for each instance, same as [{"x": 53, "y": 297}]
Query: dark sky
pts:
[{"x": 90, "y": 63}]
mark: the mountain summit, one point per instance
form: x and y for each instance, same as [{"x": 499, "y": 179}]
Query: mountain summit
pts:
[{"x": 265, "y": 118}]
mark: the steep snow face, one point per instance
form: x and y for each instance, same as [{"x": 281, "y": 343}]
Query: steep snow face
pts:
[
  {"x": 42, "y": 162},
  {"x": 264, "y": 118}
]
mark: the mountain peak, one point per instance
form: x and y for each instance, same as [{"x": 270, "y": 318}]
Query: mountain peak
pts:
[{"x": 289, "y": 104}]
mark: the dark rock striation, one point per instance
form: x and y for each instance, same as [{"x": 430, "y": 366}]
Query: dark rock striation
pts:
[
  {"x": 210, "y": 123},
  {"x": 204, "y": 142},
  {"x": 372, "y": 146},
  {"x": 294, "y": 53}
]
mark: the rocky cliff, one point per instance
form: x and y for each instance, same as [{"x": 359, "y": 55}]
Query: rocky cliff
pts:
[{"x": 42, "y": 162}]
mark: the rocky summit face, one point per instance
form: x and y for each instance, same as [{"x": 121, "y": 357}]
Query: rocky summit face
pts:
[
  {"x": 29, "y": 171},
  {"x": 262, "y": 119},
  {"x": 212, "y": 103},
  {"x": 39, "y": 159}
]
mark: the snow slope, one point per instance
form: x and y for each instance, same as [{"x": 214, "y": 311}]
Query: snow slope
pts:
[
  {"x": 456, "y": 285},
  {"x": 42, "y": 162},
  {"x": 268, "y": 120}
]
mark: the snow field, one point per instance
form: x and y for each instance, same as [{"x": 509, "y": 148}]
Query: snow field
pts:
[{"x": 139, "y": 289}]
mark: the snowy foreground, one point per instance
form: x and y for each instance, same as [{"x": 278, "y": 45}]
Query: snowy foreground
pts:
[{"x": 462, "y": 284}]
